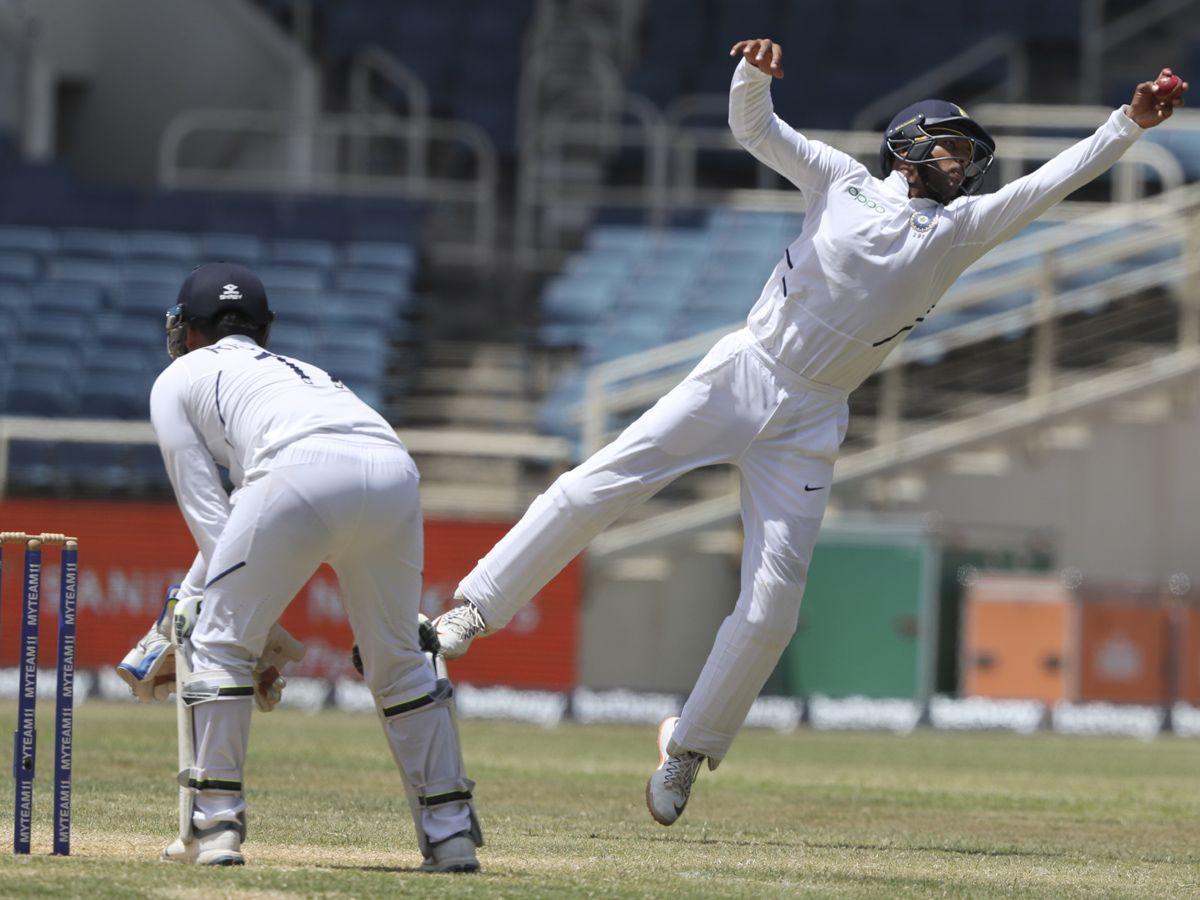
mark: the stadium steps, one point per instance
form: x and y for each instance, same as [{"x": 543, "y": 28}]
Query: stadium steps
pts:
[{"x": 481, "y": 388}]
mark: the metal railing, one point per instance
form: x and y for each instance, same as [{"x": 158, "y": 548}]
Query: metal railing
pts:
[
  {"x": 930, "y": 84},
  {"x": 301, "y": 154},
  {"x": 445, "y": 442}
]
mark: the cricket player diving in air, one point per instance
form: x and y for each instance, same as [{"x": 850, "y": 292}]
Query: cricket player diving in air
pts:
[
  {"x": 874, "y": 256},
  {"x": 319, "y": 477}
]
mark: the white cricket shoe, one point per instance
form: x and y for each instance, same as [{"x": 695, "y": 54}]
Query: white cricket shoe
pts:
[
  {"x": 455, "y": 854},
  {"x": 456, "y": 628},
  {"x": 220, "y": 845},
  {"x": 668, "y": 789}
]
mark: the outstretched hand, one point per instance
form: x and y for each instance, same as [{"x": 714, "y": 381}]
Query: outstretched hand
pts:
[
  {"x": 1150, "y": 106},
  {"x": 764, "y": 55}
]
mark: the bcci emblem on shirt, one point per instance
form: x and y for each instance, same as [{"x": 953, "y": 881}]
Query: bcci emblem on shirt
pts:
[{"x": 922, "y": 222}]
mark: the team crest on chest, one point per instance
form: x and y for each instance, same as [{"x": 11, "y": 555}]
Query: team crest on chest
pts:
[{"x": 922, "y": 222}]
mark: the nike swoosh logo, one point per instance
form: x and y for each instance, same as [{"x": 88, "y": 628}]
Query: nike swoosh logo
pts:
[{"x": 811, "y": 488}]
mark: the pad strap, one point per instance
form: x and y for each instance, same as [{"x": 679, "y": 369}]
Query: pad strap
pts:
[{"x": 442, "y": 691}]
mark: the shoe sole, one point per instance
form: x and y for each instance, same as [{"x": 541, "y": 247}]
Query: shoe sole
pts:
[
  {"x": 224, "y": 860},
  {"x": 466, "y": 865},
  {"x": 662, "y": 758}
]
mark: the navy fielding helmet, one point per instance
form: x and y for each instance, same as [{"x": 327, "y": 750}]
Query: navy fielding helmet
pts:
[
  {"x": 210, "y": 290},
  {"x": 914, "y": 131}
]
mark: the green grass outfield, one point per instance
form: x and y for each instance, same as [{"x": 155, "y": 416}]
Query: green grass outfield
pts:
[{"x": 807, "y": 814}]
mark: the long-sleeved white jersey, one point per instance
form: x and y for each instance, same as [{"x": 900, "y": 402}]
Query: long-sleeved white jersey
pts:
[
  {"x": 235, "y": 404},
  {"x": 870, "y": 262}
]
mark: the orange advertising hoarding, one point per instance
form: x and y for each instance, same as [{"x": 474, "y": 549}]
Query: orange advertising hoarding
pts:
[
  {"x": 130, "y": 553},
  {"x": 1017, "y": 639}
]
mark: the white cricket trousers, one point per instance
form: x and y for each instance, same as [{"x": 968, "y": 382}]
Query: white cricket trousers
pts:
[
  {"x": 354, "y": 503},
  {"x": 739, "y": 405}
]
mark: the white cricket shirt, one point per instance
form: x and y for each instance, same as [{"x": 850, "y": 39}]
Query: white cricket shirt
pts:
[
  {"x": 870, "y": 263},
  {"x": 235, "y": 404}
]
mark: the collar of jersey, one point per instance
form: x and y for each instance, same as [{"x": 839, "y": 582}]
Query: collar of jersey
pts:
[{"x": 897, "y": 185}]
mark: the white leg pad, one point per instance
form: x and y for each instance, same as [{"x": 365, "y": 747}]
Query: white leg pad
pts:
[
  {"x": 219, "y": 707},
  {"x": 423, "y": 736}
]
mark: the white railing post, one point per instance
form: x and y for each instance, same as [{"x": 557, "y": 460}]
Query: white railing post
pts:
[
  {"x": 1041, "y": 362},
  {"x": 1187, "y": 292}
]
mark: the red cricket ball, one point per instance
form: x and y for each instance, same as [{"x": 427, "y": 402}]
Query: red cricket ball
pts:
[{"x": 1166, "y": 84}]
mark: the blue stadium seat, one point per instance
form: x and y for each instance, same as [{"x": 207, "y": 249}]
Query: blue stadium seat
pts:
[
  {"x": 245, "y": 249},
  {"x": 53, "y": 339},
  {"x": 87, "y": 466},
  {"x": 1184, "y": 145},
  {"x": 352, "y": 365},
  {"x": 131, "y": 361},
  {"x": 310, "y": 253},
  {"x": 83, "y": 269},
  {"x": 367, "y": 341},
  {"x": 380, "y": 255},
  {"x": 149, "y": 472},
  {"x": 162, "y": 272},
  {"x": 37, "y": 390},
  {"x": 33, "y": 465},
  {"x": 609, "y": 264},
  {"x": 19, "y": 265},
  {"x": 357, "y": 308},
  {"x": 149, "y": 300},
  {"x": 371, "y": 280},
  {"x": 306, "y": 307},
  {"x": 168, "y": 246},
  {"x": 294, "y": 339},
  {"x": 652, "y": 295},
  {"x": 575, "y": 300},
  {"x": 113, "y": 395},
  {"x": 99, "y": 243},
  {"x": 141, "y": 332},
  {"x": 10, "y": 327},
  {"x": 34, "y": 238},
  {"x": 631, "y": 238},
  {"x": 294, "y": 278},
  {"x": 77, "y": 297},
  {"x": 14, "y": 298}
]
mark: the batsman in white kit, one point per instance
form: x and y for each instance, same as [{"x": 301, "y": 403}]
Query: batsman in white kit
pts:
[
  {"x": 873, "y": 257},
  {"x": 319, "y": 477}
]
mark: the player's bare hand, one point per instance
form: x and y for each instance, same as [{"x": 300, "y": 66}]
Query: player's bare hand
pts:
[
  {"x": 764, "y": 55},
  {"x": 1154, "y": 101}
]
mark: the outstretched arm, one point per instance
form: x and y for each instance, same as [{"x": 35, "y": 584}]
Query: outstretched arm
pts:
[
  {"x": 993, "y": 218},
  {"x": 810, "y": 165}
]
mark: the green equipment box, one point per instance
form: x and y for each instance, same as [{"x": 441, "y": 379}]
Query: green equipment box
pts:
[{"x": 868, "y": 623}]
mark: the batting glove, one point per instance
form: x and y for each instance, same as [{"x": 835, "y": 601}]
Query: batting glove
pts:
[
  {"x": 281, "y": 649},
  {"x": 149, "y": 668},
  {"x": 187, "y": 612}
]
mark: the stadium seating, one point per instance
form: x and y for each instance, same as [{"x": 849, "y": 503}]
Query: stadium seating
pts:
[
  {"x": 633, "y": 288},
  {"x": 82, "y": 314}
]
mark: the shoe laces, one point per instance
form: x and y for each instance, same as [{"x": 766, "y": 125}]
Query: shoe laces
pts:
[
  {"x": 680, "y": 771},
  {"x": 465, "y": 620}
]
